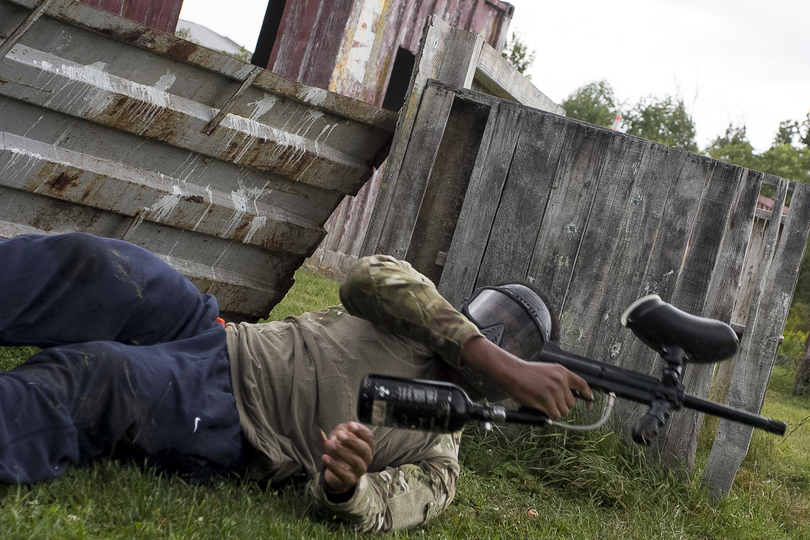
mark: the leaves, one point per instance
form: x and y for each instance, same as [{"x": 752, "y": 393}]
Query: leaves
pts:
[
  {"x": 595, "y": 103},
  {"x": 663, "y": 120},
  {"x": 518, "y": 54}
]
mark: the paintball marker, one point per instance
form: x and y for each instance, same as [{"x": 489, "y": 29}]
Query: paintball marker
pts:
[{"x": 678, "y": 337}]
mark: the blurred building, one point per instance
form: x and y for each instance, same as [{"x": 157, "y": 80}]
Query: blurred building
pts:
[{"x": 208, "y": 38}]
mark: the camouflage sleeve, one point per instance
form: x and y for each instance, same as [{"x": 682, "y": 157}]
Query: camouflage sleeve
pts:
[
  {"x": 393, "y": 296},
  {"x": 397, "y": 497}
]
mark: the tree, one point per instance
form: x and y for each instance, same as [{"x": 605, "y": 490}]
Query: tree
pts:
[
  {"x": 787, "y": 132},
  {"x": 787, "y": 161},
  {"x": 794, "y": 133},
  {"x": 663, "y": 120},
  {"x": 518, "y": 54},
  {"x": 595, "y": 103},
  {"x": 733, "y": 148},
  {"x": 185, "y": 33}
]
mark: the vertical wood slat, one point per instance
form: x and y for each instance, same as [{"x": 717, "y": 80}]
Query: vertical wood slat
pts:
[
  {"x": 672, "y": 185},
  {"x": 435, "y": 61},
  {"x": 643, "y": 210},
  {"x": 761, "y": 338},
  {"x": 417, "y": 165},
  {"x": 570, "y": 203},
  {"x": 481, "y": 203},
  {"x": 706, "y": 286},
  {"x": 592, "y": 276},
  {"x": 523, "y": 201},
  {"x": 447, "y": 187},
  {"x": 687, "y": 241},
  {"x": 731, "y": 441},
  {"x": 757, "y": 233}
]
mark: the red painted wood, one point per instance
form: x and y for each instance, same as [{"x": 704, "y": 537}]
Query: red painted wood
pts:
[{"x": 158, "y": 14}]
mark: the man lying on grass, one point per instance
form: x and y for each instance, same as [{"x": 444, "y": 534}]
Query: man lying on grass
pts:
[{"x": 136, "y": 364}]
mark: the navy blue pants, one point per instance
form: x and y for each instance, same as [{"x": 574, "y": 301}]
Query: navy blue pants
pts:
[{"x": 133, "y": 362}]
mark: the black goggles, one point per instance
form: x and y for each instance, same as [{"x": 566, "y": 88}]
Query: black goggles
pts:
[{"x": 512, "y": 316}]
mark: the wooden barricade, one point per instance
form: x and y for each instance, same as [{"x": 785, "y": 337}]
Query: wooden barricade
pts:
[{"x": 487, "y": 191}]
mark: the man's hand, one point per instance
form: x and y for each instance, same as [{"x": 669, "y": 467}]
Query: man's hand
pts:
[
  {"x": 349, "y": 449},
  {"x": 547, "y": 387}
]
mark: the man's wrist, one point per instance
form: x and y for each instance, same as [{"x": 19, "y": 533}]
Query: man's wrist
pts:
[{"x": 336, "y": 495}]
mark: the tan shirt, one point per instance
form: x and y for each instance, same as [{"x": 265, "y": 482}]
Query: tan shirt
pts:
[{"x": 295, "y": 377}]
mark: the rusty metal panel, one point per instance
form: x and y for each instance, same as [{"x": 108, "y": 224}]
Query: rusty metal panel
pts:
[
  {"x": 158, "y": 14},
  {"x": 309, "y": 35},
  {"x": 223, "y": 169},
  {"x": 349, "y": 45},
  {"x": 491, "y": 19}
]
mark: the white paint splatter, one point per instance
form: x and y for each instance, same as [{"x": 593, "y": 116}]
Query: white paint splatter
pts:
[
  {"x": 256, "y": 225},
  {"x": 33, "y": 126},
  {"x": 308, "y": 119},
  {"x": 262, "y": 106},
  {"x": 315, "y": 96},
  {"x": 240, "y": 200},
  {"x": 326, "y": 128},
  {"x": 166, "y": 81},
  {"x": 166, "y": 205}
]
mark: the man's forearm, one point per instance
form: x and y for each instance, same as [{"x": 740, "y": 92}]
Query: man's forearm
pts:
[{"x": 392, "y": 295}]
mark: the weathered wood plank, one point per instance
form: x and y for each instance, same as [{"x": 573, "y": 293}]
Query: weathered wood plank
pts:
[
  {"x": 727, "y": 276},
  {"x": 742, "y": 300},
  {"x": 496, "y": 76},
  {"x": 712, "y": 260},
  {"x": 761, "y": 338},
  {"x": 523, "y": 201},
  {"x": 429, "y": 62},
  {"x": 461, "y": 53},
  {"x": 634, "y": 267},
  {"x": 569, "y": 205},
  {"x": 447, "y": 187},
  {"x": 644, "y": 209},
  {"x": 481, "y": 203},
  {"x": 753, "y": 258},
  {"x": 417, "y": 165},
  {"x": 592, "y": 275}
]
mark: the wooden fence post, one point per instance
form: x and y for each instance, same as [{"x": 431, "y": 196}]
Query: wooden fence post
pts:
[{"x": 769, "y": 307}]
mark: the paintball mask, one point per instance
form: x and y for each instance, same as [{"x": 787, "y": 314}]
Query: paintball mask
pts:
[{"x": 514, "y": 318}]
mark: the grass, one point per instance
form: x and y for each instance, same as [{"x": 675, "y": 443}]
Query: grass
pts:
[{"x": 589, "y": 485}]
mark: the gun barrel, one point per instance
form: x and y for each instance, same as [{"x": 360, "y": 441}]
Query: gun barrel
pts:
[{"x": 736, "y": 415}]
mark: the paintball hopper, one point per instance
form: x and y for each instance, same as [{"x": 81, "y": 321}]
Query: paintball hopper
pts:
[{"x": 662, "y": 327}]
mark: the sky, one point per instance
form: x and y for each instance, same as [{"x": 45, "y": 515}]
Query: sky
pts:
[{"x": 741, "y": 62}]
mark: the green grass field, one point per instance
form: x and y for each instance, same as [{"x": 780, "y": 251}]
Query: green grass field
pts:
[{"x": 591, "y": 485}]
